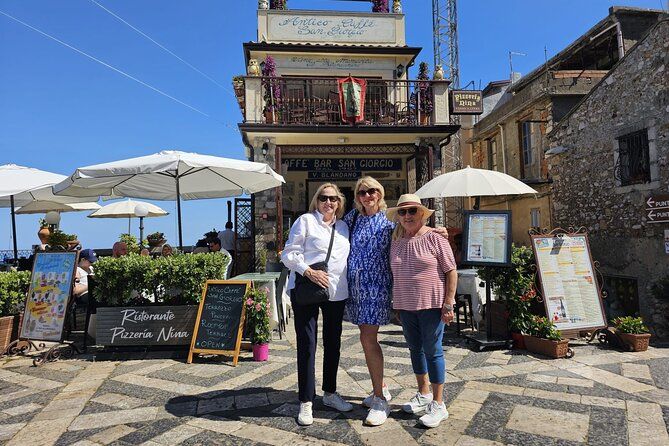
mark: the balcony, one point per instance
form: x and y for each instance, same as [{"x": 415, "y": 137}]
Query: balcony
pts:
[{"x": 314, "y": 101}]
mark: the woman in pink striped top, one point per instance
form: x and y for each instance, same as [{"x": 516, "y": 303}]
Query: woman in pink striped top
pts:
[{"x": 424, "y": 283}]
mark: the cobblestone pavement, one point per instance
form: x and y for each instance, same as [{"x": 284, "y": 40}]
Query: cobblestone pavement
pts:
[{"x": 600, "y": 397}]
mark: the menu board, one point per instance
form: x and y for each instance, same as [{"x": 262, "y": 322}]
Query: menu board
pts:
[
  {"x": 220, "y": 319},
  {"x": 487, "y": 238},
  {"x": 145, "y": 326},
  {"x": 48, "y": 296},
  {"x": 569, "y": 286}
]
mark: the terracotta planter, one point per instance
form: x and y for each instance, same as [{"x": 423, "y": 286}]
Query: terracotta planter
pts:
[
  {"x": 43, "y": 235},
  {"x": 9, "y": 330},
  {"x": 260, "y": 352},
  {"x": 269, "y": 117},
  {"x": 518, "y": 341},
  {"x": 424, "y": 119},
  {"x": 72, "y": 244},
  {"x": 546, "y": 347},
  {"x": 637, "y": 342}
]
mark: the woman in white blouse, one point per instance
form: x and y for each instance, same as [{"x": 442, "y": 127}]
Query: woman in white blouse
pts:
[{"x": 307, "y": 244}]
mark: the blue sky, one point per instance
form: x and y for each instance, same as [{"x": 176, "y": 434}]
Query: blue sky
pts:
[{"x": 60, "y": 110}]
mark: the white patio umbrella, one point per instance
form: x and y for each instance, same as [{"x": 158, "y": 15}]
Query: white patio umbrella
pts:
[
  {"x": 38, "y": 207},
  {"x": 171, "y": 175},
  {"x": 126, "y": 209},
  {"x": 470, "y": 182},
  {"x": 21, "y": 185}
]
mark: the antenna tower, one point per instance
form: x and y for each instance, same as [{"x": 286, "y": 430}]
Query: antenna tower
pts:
[{"x": 445, "y": 41}]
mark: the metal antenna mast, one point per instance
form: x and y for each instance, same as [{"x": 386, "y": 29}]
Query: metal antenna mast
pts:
[{"x": 445, "y": 41}]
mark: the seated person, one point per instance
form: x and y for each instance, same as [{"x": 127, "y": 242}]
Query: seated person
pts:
[
  {"x": 145, "y": 252},
  {"x": 87, "y": 258},
  {"x": 119, "y": 249},
  {"x": 214, "y": 244},
  {"x": 166, "y": 250}
]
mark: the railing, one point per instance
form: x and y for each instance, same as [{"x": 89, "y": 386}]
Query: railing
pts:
[{"x": 316, "y": 101}]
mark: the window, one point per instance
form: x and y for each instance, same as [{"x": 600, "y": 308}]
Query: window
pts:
[
  {"x": 492, "y": 154},
  {"x": 535, "y": 217},
  {"x": 633, "y": 166},
  {"x": 526, "y": 134}
]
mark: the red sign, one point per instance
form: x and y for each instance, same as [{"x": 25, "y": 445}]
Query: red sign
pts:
[{"x": 352, "y": 99}]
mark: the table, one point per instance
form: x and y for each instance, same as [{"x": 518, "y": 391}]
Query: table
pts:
[{"x": 277, "y": 315}]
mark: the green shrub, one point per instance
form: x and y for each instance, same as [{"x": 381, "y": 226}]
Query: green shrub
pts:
[
  {"x": 131, "y": 242},
  {"x": 514, "y": 285},
  {"x": 141, "y": 280},
  {"x": 629, "y": 324},
  {"x": 13, "y": 289},
  {"x": 257, "y": 316},
  {"x": 541, "y": 327}
]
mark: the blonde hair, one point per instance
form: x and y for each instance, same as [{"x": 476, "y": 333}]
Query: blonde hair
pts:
[
  {"x": 369, "y": 183},
  {"x": 313, "y": 206},
  {"x": 399, "y": 231}
]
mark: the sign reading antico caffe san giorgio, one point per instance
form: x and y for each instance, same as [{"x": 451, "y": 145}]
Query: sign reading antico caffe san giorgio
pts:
[{"x": 331, "y": 28}]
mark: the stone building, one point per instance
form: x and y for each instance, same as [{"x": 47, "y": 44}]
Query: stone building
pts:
[
  {"x": 300, "y": 132},
  {"x": 511, "y": 135},
  {"x": 609, "y": 163}
]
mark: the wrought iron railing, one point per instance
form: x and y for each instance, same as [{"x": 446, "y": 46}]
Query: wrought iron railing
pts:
[
  {"x": 316, "y": 101},
  {"x": 633, "y": 164}
]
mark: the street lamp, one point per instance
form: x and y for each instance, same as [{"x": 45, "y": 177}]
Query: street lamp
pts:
[
  {"x": 141, "y": 210},
  {"x": 53, "y": 219}
]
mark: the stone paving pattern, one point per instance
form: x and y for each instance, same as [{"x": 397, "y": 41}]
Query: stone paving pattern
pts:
[{"x": 599, "y": 397}]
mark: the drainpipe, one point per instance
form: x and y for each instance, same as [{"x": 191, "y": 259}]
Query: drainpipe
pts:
[
  {"x": 501, "y": 134},
  {"x": 621, "y": 43}
]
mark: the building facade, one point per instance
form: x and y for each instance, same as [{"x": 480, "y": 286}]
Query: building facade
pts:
[
  {"x": 292, "y": 118},
  {"x": 510, "y": 137},
  {"x": 609, "y": 162}
]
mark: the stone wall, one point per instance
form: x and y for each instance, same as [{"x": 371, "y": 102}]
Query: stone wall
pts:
[
  {"x": 633, "y": 96},
  {"x": 265, "y": 213}
]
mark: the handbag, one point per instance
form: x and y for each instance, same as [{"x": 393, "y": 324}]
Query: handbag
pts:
[{"x": 307, "y": 292}]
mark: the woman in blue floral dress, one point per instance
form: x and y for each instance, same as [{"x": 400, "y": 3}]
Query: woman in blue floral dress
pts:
[{"x": 370, "y": 284}]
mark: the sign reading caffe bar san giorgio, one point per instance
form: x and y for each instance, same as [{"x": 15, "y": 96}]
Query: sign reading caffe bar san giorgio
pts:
[
  {"x": 331, "y": 28},
  {"x": 344, "y": 164}
]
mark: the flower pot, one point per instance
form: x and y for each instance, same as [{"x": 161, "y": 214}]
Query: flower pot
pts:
[
  {"x": 260, "y": 352},
  {"x": 9, "y": 330},
  {"x": 269, "y": 117},
  {"x": 72, "y": 244},
  {"x": 156, "y": 242},
  {"x": 518, "y": 341},
  {"x": 43, "y": 235},
  {"x": 636, "y": 342},
  {"x": 546, "y": 347},
  {"x": 424, "y": 118}
]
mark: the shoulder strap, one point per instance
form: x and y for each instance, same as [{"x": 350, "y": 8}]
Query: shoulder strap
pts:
[{"x": 327, "y": 259}]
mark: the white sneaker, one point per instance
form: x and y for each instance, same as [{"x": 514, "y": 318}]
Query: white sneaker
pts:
[
  {"x": 434, "y": 414},
  {"x": 337, "y": 402},
  {"x": 418, "y": 403},
  {"x": 305, "y": 417},
  {"x": 367, "y": 402},
  {"x": 378, "y": 414}
]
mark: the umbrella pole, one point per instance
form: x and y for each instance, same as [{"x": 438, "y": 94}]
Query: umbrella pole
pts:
[
  {"x": 181, "y": 244},
  {"x": 16, "y": 251}
]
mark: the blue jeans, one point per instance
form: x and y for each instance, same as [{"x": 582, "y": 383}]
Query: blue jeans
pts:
[{"x": 423, "y": 331}]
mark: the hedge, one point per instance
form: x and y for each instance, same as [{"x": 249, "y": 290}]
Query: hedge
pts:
[
  {"x": 13, "y": 289},
  {"x": 141, "y": 280}
]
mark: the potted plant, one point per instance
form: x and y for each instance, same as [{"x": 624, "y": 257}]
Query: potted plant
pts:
[
  {"x": 424, "y": 87},
  {"x": 272, "y": 94},
  {"x": 13, "y": 288},
  {"x": 131, "y": 242},
  {"x": 44, "y": 231},
  {"x": 380, "y": 6},
  {"x": 278, "y": 4},
  {"x": 240, "y": 93},
  {"x": 72, "y": 241},
  {"x": 632, "y": 332},
  {"x": 59, "y": 239},
  {"x": 155, "y": 239},
  {"x": 514, "y": 288},
  {"x": 257, "y": 322},
  {"x": 542, "y": 337}
]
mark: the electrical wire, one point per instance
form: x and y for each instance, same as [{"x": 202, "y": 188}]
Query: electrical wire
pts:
[
  {"x": 143, "y": 34},
  {"x": 109, "y": 66}
]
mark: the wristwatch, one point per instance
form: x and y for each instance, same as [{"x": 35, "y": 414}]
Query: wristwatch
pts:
[{"x": 448, "y": 307}]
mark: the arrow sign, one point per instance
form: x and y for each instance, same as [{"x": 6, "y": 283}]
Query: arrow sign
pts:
[
  {"x": 657, "y": 202},
  {"x": 657, "y": 216}
]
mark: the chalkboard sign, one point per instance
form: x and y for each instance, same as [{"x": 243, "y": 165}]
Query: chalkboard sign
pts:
[
  {"x": 145, "y": 326},
  {"x": 220, "y": 319},
  {"x": 49, "y": 294}
]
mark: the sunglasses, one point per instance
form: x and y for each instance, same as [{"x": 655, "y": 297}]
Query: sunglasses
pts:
[
  {"x": 410, "y": 211},
  {"x": 331, "y": 198},
  {"x": 371, "y": 191}
]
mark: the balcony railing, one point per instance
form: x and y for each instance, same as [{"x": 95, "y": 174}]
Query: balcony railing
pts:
[{"x": 315, "y": 101}]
